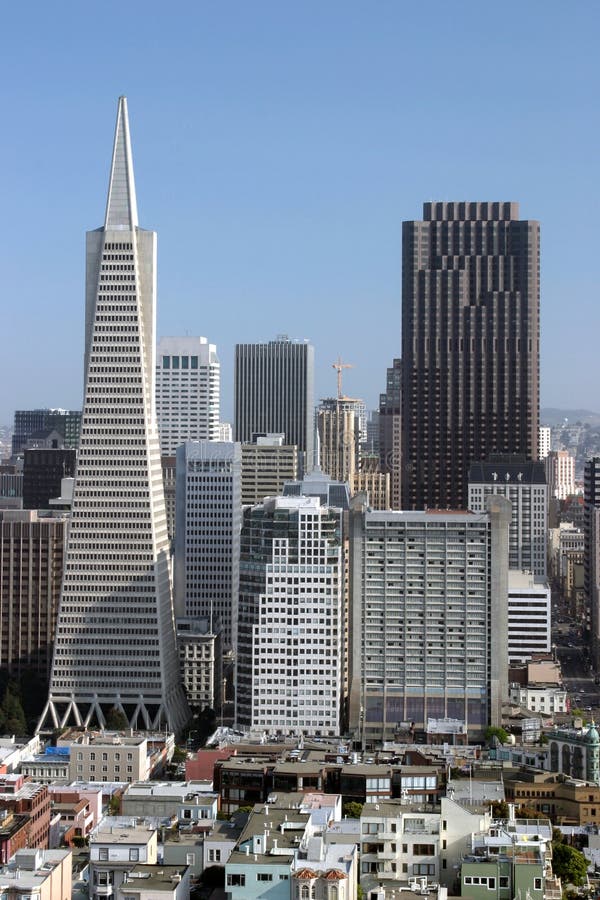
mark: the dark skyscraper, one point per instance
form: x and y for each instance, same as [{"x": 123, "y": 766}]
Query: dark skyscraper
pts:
[
  {"x": 274, "y": 393},
  {"x": 470, "y": 345}
]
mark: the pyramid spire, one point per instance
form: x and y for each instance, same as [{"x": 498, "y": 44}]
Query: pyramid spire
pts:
[{"x": 121, "y": 206}]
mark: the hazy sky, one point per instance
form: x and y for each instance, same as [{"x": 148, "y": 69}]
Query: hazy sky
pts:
[{"x": 278, "y": 146}]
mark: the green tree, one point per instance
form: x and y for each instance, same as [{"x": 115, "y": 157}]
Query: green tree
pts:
[
  {"x": 12, "y": 717},
  {"x": 352, "y": 809},
  {"x": 569, "y": 864},
  {"x": 179, "y": 755},
  {"x": 500, "y": 809},
  {"x": 496, "y": 731},
  {"x": 116, "y": 720}
]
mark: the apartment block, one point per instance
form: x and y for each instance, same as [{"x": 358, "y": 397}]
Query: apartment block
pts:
[{"x": 429, "y": 619}]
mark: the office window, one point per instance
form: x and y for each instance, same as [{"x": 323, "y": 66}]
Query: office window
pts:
[{"x": 134, "y": 854}]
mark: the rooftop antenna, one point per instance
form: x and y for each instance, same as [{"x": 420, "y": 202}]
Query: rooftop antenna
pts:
[{"x": 338, "y": 365}]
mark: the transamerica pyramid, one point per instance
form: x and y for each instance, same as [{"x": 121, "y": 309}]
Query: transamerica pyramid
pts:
[{"x": 115, "y": 636}]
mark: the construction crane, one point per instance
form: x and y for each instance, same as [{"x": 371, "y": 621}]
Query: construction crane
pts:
[{"x": 338, "y": 366}]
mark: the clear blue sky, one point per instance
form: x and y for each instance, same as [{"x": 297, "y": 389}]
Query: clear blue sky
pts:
[{"x": 278, "y": 146}]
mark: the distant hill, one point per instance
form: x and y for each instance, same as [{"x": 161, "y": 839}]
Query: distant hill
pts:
[{"x": 549, "y": 415}]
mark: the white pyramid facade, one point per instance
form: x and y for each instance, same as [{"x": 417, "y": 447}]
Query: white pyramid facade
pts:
[{"x": 115, "y": 637}]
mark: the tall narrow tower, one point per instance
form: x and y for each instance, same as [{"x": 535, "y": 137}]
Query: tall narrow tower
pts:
[{"x": 115, "y": 637}]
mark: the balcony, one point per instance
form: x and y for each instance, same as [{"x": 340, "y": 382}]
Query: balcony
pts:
[{"x": 103, "y": 890}]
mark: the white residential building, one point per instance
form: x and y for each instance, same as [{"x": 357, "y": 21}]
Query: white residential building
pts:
[
  {"x": 529, "y": 616},
  {"x": 115, "y": 635},
  {"x": 207, "y": 533},
  {"x": 188, "y": 392},
  {"x": 116, "y": 846},
  {"x": 290, "y": 661}
]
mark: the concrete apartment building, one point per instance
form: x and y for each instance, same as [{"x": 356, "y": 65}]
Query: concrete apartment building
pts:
[
  {"x": 523, "y": 483},
  {"x": 290, "y": 632},
  {"x": 274, "y": 393},
  {"x": 470, "y": 345},
  {"x": 429, "y": 618},
  {"x": 117, "y": 571},
  {"x": 207, "y": 534},
  {"x": 188, "y": 392},
  {"x": 266, "y": 466},
  {"x": 32, "y": 549}
]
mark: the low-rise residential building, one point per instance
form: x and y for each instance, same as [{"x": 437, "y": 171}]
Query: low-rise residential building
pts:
[
  {"x": 512, "y": 859},
  {"x": 283, "y": 853},
  {"x": 188, "y": 801},
  {"x": 156, "y": 883},
  {"x": 116, "y": 847},
  {"x": 12, "y": 751},
  {"x": 80, "y": 811},
  {"x": 325, "y": 871},
  {"x": 30, "y": 799},
  {"x": 14, "y": 833},
  {"x": 398, "y": 843},
  {"x": 38, "y": 875}
]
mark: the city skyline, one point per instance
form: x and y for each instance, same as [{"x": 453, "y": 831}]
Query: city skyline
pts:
[{"x": 296, "y": 175}]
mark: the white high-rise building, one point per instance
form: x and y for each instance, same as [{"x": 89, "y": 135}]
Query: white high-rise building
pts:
[
  {"x": 544, "y": 441},
  {"x": 115, "y": 636},
  {"x": 560, "y": 474},
  {"x": 207, "y": 533},
  {"x": 529, "y": 616},
  {"x": 289, "y": 652},
  {"x": 188, "y": 392}
]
